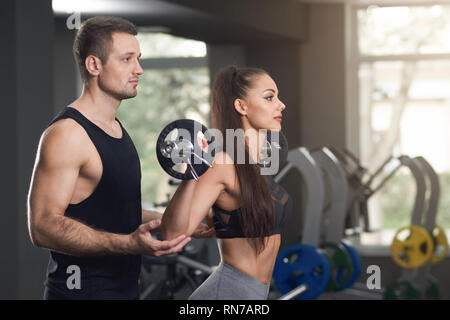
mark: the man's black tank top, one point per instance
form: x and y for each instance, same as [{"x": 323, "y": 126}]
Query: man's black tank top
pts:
[{"x": 114, "y": 206}]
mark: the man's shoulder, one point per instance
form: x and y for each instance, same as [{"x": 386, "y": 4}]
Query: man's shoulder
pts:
[
  {"x": 66, "y": 128},
  {"x": 64, "y": 136}
]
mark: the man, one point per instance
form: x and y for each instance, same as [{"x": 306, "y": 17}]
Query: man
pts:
[{"x": 84, "y": 202}]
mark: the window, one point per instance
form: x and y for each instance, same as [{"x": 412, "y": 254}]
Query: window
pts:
[
  {"x": 175, "y": 85},
  {"x": 402, "y": 68}
]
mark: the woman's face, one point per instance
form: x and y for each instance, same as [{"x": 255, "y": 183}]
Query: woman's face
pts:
[{"x": 262, "y": 106}]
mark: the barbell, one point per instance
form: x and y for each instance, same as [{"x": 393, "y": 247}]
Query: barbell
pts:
[{"x": 190, "y": 142}]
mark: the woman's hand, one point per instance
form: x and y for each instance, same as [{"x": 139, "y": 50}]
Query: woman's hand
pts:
[{"x": 204, "y": 231}]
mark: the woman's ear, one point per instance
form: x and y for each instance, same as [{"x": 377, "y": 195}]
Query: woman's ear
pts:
[
  {"x": 240, "y": 107},
  {"x": 93, "y": 65}
]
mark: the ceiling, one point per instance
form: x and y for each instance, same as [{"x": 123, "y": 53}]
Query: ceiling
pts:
[{"x": 175, "y": 18}]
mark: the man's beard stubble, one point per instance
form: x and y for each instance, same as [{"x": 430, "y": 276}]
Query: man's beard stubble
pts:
[{"x": 119, "y": 95}]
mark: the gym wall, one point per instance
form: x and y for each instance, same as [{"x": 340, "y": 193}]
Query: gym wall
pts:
[{"x": 305, "y": 53}]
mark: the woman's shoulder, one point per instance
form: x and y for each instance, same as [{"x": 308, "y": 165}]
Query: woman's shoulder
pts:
[
  {"x": 222, "y": 158},
  {"x": 223, "y": 165}
]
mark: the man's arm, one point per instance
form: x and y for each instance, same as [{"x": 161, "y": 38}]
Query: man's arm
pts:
[
  {"x": 61, "y": 155},
  {"x": 148, "y": 215},
  {"x": 203, "y": 230}
]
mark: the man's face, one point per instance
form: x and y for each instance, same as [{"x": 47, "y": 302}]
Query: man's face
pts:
[{"x": 119, "y": 75}]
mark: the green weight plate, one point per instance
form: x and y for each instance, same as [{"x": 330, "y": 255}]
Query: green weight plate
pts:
[
  {"x": 432, "y": 291},
  {"x": 341, "y": 265},
  {"x": 401, "y": 290}
]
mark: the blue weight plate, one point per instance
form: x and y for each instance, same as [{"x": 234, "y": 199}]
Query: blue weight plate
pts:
[
  {"x": 302, "y": 264},
  {"x": 356, "y": 262}
]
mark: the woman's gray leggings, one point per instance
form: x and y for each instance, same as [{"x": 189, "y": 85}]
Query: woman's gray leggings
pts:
[{"x": 228, "y": 283}]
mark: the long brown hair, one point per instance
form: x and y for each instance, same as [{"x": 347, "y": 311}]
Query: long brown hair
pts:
[{"x": 255, "y": 198}]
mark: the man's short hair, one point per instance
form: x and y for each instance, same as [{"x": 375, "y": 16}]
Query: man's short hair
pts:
[{"x": 95, "y": 38}]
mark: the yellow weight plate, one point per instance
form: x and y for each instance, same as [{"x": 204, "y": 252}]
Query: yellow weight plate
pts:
[
  {"x": 412, "y": 247},
  {"x": 440, "y": 245}
]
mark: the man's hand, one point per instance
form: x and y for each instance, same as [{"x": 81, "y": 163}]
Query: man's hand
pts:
[
  {"x": 204, "y": 231},
  {"x": 143, "y": 243}
]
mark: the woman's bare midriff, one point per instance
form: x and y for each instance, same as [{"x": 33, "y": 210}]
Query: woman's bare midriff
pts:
[{"x": 239, "y": 254}]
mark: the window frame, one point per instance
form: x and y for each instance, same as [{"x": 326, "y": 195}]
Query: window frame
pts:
[{"x": 353, "y": 61}]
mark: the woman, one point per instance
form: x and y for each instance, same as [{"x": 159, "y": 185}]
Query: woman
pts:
[{"x": 249, "y": 208}]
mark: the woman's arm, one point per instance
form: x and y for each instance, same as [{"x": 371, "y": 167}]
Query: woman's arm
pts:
[{"x": 193, "y": 199}]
